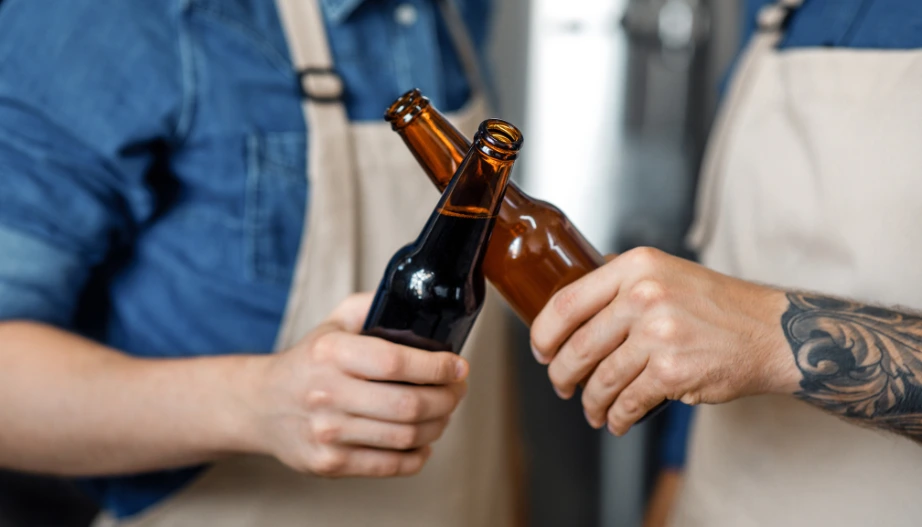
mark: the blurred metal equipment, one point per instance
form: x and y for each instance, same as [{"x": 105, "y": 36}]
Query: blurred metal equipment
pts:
[
  {"x": 665, "y": 122},
  {"x": 677, "y": 52},
  {"x": 561, "y": 452}
]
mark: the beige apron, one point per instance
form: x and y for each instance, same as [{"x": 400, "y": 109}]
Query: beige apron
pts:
[
  {"x": 368, "y": 198},
  {"x": 813, "y": 180}
]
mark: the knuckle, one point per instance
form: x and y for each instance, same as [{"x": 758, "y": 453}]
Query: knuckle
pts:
[
  {"x": 318, "y": 399},
  {"x": 565, "y": 302},
  {"x": 388, "y": 467},
  {"x": 392, "y": 362},
  {"x": 607, "y": 376},
  {"x": 581, "y": 343},
  {"x": 663, "y": 328},
  {"x": 648, "y": 292},
  {"x": 325, "y": 347},
  {"x": 643, "y": 257},
  {"x": 406, "y": 438},
  {"x": 442, "y": 367},
  {"x": 329, "y": 463},
  {"x": 692, "y": 399},
  {"x": 666, "y": 370},
  {"x": 326, "y": 431},
  {"x": 410, "y": 407},
  {"x": 630, "y": 406}
]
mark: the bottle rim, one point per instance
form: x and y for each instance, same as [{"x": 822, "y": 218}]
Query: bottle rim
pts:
[
  {"x": 405, "y": 108},
  {"x": 499, "y": 139}
]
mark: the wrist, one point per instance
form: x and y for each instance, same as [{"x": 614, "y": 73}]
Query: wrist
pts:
[
  {"x": 242, "y": 384},
  {"x": 783, "y": 376}
]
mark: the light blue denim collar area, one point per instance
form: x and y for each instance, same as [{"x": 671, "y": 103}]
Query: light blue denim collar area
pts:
[{"x": 337, "y": 11}]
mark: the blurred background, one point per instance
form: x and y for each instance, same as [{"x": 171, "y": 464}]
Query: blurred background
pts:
[{"x": 616, "y": 98}]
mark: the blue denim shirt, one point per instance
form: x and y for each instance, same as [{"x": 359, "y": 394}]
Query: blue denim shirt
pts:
[
  {"x": 862, "y": 24},
  {"x": 152, "y": 167}
]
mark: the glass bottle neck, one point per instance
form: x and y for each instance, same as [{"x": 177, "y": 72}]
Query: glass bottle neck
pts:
[
  {"x": 437, "y": 145},
  {"x": 477, "y": 189},
  {"x": 440, "y": 149}
]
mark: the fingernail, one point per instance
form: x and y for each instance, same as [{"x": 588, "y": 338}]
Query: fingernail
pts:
[
  {"x": 538, "y": 357},
  {"x": 460, "y": 369},
  {"x": 611, "y": 428},
  {"x": 589, "y": 419}
]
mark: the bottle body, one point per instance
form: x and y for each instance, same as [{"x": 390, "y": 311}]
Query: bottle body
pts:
[
  {"x": 434, "y": 288},
  {"x": 535, "y": 250},
  {"x": 429, "y": 299}
]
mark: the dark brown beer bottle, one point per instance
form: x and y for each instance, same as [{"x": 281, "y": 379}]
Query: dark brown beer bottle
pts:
[
  {"x": 434, "y": 288},
  {"x": 535, "y": 250}
]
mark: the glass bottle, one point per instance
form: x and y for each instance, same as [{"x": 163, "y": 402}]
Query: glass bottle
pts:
[
  {"x": 434, "y": 288},
  {"x": 535, "y": 250}
]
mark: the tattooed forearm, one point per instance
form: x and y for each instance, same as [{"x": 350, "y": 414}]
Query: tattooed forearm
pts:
[{"x": 858, "y": 361}]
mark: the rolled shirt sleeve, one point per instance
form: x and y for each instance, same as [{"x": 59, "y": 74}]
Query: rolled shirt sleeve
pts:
[{"x": 75, "y": 152}]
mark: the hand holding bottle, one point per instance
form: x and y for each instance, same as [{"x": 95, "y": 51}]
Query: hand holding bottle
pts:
[
  {"x": 319, "y": 409},
  {"x": 649, "y": 327}
]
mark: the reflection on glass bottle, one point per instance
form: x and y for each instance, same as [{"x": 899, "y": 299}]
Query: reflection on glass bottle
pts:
[
  {"x": 535, "y": 250},
  {"x": 434, "y": 288}
]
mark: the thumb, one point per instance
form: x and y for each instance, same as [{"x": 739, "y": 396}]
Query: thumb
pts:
[{"x": 350, "y": 313}]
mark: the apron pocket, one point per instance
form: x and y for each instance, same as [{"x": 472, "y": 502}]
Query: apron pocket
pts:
[{"x": 276, "y": 198}]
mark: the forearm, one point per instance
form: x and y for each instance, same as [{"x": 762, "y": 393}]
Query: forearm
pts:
[
  {"x": 72, "y": 407},
  {"x": 857, "y": 361}
]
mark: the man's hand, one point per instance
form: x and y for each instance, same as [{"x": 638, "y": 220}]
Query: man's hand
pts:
[
  {"x": 319, "y": 408},
  {"x": 648, "y": 327}
]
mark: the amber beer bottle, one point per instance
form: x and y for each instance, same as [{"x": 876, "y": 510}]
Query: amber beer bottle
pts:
[
  {"x": 434, "y": 288},
  {"x": 535, "y": 250}
]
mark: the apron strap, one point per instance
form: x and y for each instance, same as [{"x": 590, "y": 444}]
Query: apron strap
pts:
[
  {"x": 464, "y": 47},
  {"x": 326, "y": 270},
  {"x": 772, "y": 21},
  {"x": 327, "y": 266},
  {"x": 310, "y": 53}
]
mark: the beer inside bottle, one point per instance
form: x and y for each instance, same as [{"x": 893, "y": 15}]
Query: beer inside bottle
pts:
[
  {"x": 535, "y": 249},
  {"x": 434, "y": 288}
]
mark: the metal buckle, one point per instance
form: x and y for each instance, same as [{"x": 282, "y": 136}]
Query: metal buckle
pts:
[{"x": 322, "y": 85}]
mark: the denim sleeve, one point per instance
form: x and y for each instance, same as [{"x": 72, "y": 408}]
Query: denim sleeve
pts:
[
  {"x": 674, "y": 439},
  {"x": 88, "y": 88}
]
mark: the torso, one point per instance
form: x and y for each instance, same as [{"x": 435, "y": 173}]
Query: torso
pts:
[{"x": 816, "y": 189}]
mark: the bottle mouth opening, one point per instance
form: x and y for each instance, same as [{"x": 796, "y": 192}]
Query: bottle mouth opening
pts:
[
  {"x": 406, "y": 108},
  {"x": 499, "y": 139}
]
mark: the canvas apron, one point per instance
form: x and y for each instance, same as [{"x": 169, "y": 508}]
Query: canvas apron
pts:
[
  {"x": 368, "y": 198},
  {"x": 813, "y": 180}
]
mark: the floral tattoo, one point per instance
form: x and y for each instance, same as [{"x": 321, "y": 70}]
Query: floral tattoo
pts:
[{"x": 858, "y": 361}]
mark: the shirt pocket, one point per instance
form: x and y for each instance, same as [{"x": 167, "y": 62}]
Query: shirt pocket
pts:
[{"x": 276, "y": 203}]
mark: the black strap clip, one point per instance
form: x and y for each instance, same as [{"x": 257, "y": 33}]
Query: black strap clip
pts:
[{"x": 321, "y": 85}]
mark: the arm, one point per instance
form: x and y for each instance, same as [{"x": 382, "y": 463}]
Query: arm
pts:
[
  {"x": 72, "y": 407},
  {"x": 655, "y": 327},
  {"x": 857, "y": 361}
]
